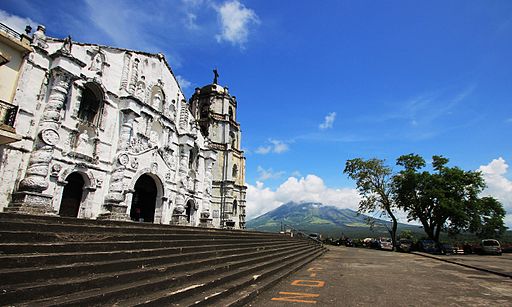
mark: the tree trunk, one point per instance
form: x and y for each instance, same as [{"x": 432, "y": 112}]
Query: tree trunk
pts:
[
  {"x": 437, "y": 233},
  {"x": 393, "y": 227}
]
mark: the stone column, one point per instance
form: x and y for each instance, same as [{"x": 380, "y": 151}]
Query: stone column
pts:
[
  {"x": 125, "y": 72},
  {"x": 178, "y": 216},
  {"x": 115, "y": 208},
  {"x": 135, "y": 77},
  {"x": 29, "y": 199},
  {"x": 205, "y": 220}
]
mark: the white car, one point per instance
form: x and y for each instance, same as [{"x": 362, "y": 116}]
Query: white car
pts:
[
  {"x": 386, "y": 243},
  {"x": 490, "y": 246}
]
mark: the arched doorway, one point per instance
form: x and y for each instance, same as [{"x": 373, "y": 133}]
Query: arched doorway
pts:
[
  {"x": 144, "y": 200},
  {"x": 72, "y": 195},
  {"x": 191, "y": 209}
]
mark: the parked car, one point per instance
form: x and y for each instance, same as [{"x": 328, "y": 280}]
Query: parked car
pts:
[
  {"x": 428, "y": 246},
  {"x": 490, "y": 246},
  {"x": 349, "y": 243},
  {"x": 386, "y": 244},
  {"x": 404, "y": 245},
  {"x": 447, "y": 249}
]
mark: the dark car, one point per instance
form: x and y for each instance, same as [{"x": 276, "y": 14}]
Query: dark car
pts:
[
  {"x": 349, "y": 243},
  {"x": 428, "y": 246},
  {"x": 404, "y": 245},
  {"x": 447, "y": 249}
]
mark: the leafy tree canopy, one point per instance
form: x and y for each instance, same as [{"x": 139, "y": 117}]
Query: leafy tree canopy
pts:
[
  {"x": 374, "y": 183},
  {"x": 446, "y": 198}
]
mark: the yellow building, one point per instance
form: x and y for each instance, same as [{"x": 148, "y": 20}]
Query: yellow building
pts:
[{"x": 13, "y": 48}]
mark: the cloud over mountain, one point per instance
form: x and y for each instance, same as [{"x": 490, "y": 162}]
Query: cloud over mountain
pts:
[{"x": 261, "y": 199}]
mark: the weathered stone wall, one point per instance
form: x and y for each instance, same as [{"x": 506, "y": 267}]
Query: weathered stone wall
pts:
[{"x": 143, "y": 126}]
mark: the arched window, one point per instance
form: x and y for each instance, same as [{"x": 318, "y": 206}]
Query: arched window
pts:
[
  {"x": 91, "y": 104},
  {"x": 193, "y": 160},
  {"x": 235, "y": 171},
  {"x": 231, "y": 114},
  {"x": 205, "y": 109},
  {"x": 232, "y": 135},
  {"x": 235, "y": 206}
]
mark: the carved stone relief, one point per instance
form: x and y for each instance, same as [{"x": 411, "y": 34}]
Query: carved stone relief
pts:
[
  {"x": 135, "y": 163},
  {"x": 135, "y": 76},
  {"x": 98, "y": 62},
  {"x": 37, "y": 170},
  {"x": 125, "y": 72},
  {"x": 140, "y": 89}
]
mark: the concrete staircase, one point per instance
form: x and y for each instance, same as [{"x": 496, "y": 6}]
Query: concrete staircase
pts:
[{"x": 73, "y": 262}]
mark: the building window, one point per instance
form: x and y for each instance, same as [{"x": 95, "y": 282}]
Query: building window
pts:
[
  {"x": 231, "y": 114},
  {"x": 232, "y": 135},
  {"x": 235, "y": 171},
  {"x": 90, "y": 104},
  {"x": 235, "y": 207},
  {"x": 205, "y": 109},
  {"x": 193, "y": 160}
]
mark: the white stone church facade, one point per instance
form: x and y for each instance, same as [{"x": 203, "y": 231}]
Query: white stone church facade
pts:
[{"x": 107, "y": 133}]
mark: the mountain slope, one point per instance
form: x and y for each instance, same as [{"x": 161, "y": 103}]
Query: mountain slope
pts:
[{"x": 316, "y": 217}]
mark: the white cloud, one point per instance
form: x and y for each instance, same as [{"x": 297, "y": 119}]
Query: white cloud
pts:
[
  {"x": 263, "y": 150},
  {"x": 269, "y": 173},
  {"x": 235, "y": 19},
  {"x": 328, "y": 121},
  {"x": 279, "y": 146},
  {"x": 275, "y": 146},
  {"x": 190, "y": 8},
  {"x": 261, "y": 199},
  {"x": 126, "y": 27},
  {"x": 296, "y": 174},
  {"x": 184, "y": 83},
  {"x": 17, "y": 23},
  {"x": 498, "y": 185}
]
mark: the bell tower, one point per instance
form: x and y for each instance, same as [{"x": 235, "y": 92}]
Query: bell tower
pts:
[{"x": 215, "y": 111}]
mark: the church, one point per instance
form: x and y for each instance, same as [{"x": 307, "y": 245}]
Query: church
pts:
[{"x": 107, "y": 133}]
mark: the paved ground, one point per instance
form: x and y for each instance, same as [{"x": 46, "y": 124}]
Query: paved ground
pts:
[
  {"x": 364, "y": 277},
  {"x": 498, "y": 264}
]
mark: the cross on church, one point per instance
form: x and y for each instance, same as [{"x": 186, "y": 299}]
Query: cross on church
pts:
[{"x": 215, "y": 76}]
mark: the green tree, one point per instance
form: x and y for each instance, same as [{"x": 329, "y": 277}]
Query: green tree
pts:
[
  {"x": 374, "y": 183},
  {"x": 487, "y": 220},
  {"x": 445, "y": 199},
  {"x": 406, "y": 234}
]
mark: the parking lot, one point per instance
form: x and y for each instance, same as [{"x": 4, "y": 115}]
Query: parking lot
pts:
[
  {"x": 362, "y": 277},
  {"x": 497, "y": 264}
]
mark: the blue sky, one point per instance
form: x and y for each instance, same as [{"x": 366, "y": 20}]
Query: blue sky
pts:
[{"x": 320, "y": 82}]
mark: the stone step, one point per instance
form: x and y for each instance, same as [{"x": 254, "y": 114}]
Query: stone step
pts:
[
  {"x": 136, "y": 228},
  {"x": 229, "y": 292},
  {"x": 7, "y": 236},
  {"x": 42, "y": 259},
  {"x": 19, "y": 275},
  {"x": 105, "y": 224},
  {"x": 246, "y": 295},
  {"x": 62, "y": 286},
  {"x": 60, "y": 247},
  {"x": 210, "y": 289},
  {"x": 50, "y": 260},
  {"x": 114, "y": 294}
]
